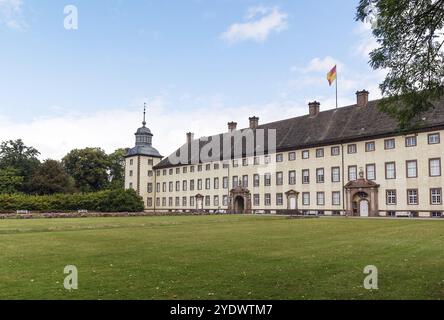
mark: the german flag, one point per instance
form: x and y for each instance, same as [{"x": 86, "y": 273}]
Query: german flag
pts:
[{"x": 331, "y": 76}]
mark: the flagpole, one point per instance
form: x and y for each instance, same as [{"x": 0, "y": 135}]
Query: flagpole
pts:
[{"x": 336, "y": 88}]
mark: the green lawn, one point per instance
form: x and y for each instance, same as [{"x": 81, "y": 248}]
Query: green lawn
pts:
[{"x": 221, "y": 257}]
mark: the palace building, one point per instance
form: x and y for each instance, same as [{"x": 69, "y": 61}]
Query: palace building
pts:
[{"x": 352, "y": 161}]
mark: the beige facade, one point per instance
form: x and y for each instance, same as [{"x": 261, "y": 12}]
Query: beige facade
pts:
[{"x": 393, "y": 175}]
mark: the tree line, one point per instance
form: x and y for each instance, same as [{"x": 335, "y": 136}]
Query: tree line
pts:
[{"x": 81, "y": 170}]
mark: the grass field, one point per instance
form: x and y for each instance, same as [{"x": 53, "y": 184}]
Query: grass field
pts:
[{"x": 221, "y": 257}]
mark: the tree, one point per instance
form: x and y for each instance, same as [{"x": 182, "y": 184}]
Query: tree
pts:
[
  {"x": 10, "y": 181},
  {"x": 88, "y": 167},
  {"x": 411, "y": 38},
  {"x": 23, "y": 159},
  {"x": 49, "y": 178},
  {"x": 117, "y": 168}
]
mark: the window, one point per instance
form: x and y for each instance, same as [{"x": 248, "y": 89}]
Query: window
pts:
[
  {"x": 207, "y": 201},
  {"x": 306, "y": 198},
  {"x": 279, "y": 157},
  {"x": 226, "y": 165},
  {"x": 305, "y": 176},
  {"x": 150, "y": 173},
  {"x": 235, "y": 163},
  {"x": 279, "y": 199},
  {"x": 158, "y": 174},
  {"x": 164, "y": 202},
  {"x": 191, "y": 201},
  {"x": 245, "y": 181},
  {"x": 410, "y": 141},
  {"x": 191, "y": 185},
  {"x": 320, "y": 175},
  {"x": 292, "y": 178},
  {"x": 225, "y": 182},
  {"x": 352, "y": 173},
  {"x": 158, "y": 187},
  {"x": 256, "y": 200},
  {"x": 150, "y": 163},
  {"x": 149, "y": 202},
  {"x": 390, "y": 197},
  {"x": 320, "y": 153},
  {"x": 267, "y": 179},
  {"x": 351, "y": 148},
  {"x": 320, "y": 198},
  {"x": 216, "y": 183},
  {"x": 268, "y": 199},
  {"x": 235, "y": 181},
  {"x": 199, "y": 184},
  {"x": 266, "y": 159},
  {"x": 164, "y": 187},
  {"x": 192, "y": 168},
  {"x": 225, "y": 201},
  {"x": 370, "y": 146},
  {"x": 170, "y": 201},
  {"x": 370, "y": 171},
  {"x": 177, "y": 185},
  {"x": 164, "y": 172},
  {"x": 184, "y": 201},
  {"x": 131, "y": 162},
  {"x": 335, "y": 151},
  {"x": 208, "y": 184},
  {"x": 131, "y": 185},
  {"x": 171, "y": 186},
  {"x": 335, "y": 174},
  {"x": 208, "y": 167},
  {"x": 216, "y": 166},
  {"x": 150, "y": 188},
  {"x": 390, "y": 170},
  {"x": 158, "y": 202},
  {"x": 412, "y": 170},
  {"x": 184, "y": 169},
  {"x": 184, "y": 185},
  {"x": 435, "y": 167},
  {"x": 389, "y": 144},
  {"x": 433, "y": 138},
  {"x": 436, "y": 196},
  {"x": 257, "y": 161},
  {"x": 245, "y": 162},
  {"x": 336, "y": 198},
  {"x": 279, "y": 178},
  {"x": 436, "y": 214},
  {"x": 131, "y": 173},
  {"x": 412, "y": 196},
  {"x": 216, "y": 201},
  {"x": 177, "y": 202},
  {"x": 199, "y": 168},
  {"x": 305, "y": 154},
  {"x": 292, "y": 156},
  {"x": 256, "y": 180},
  {"x": 177, "y": 170}
]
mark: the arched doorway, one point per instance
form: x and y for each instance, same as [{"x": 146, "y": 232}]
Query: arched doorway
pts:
[
  {"x": 363, "y": 208},
  {"x": 361, "y": 204},
  {"x": 239, "y": 205},
  {"x": 362, "y": 197}
]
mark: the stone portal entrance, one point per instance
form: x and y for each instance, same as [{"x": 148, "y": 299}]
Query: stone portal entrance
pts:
[
  {"x": 362, "y": 197},
  {"x": 240, "y": 201}
]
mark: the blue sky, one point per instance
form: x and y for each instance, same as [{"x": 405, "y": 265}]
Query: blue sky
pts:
[{"x": 197, "y": 63}]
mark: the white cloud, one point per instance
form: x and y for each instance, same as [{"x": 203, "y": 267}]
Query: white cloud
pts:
[
  {"x": 259, "y": 23},
  {"x": 319, "y": 65},
  {"x": 56, "y": 135},
  {"x": 367, "y": 42},
  {"x": 11, "y": 13}
]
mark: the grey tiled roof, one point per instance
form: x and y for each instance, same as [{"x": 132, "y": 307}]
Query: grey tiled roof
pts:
[{"x": 337, "y": 126}]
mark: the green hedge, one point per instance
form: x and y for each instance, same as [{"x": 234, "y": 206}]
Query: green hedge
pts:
[{"x": 102, "y": 201}]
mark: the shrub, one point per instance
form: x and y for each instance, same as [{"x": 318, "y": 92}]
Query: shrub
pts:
[{"x": 103, "y": 201}]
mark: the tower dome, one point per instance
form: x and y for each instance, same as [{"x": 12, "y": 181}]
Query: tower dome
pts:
[{"x": 144, "y": 139}]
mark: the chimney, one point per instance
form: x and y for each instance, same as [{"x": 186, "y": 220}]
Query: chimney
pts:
[
  {"x": 254, "y": 122},
  {"x": 232, "y": 126},
  {"x": 314, "y": 108},
  {"x": 190, "y": 137},
  {"x": 362, "y": 98}
]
